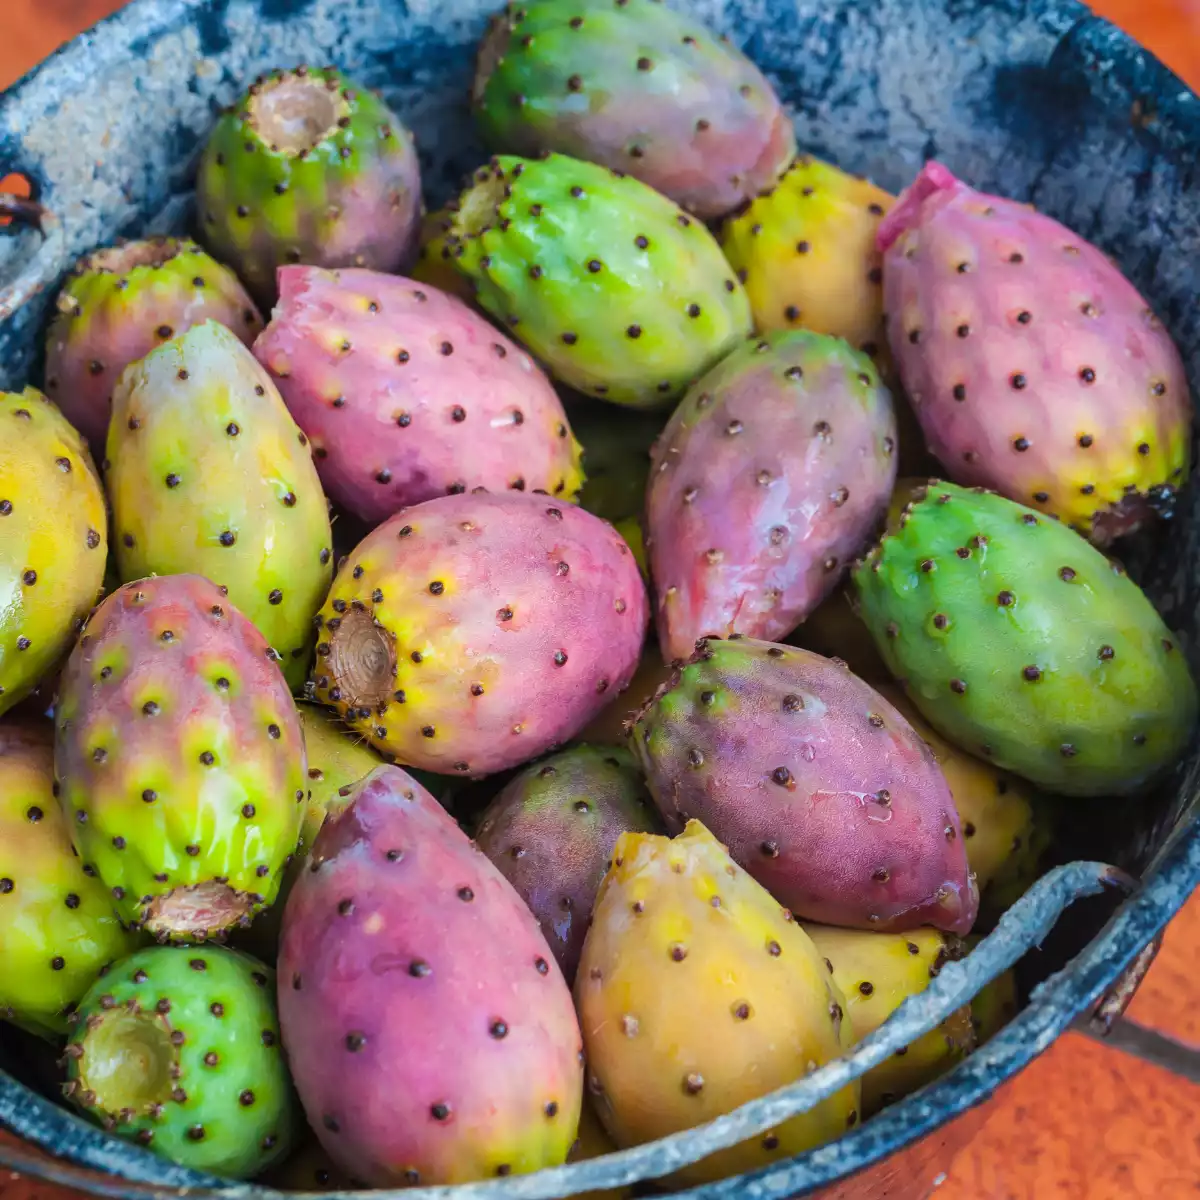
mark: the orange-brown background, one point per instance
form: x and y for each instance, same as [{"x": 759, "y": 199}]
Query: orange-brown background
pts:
[{"x": 1085, "y": 1122}]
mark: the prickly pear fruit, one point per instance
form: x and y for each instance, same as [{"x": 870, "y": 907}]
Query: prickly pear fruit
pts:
[
  {"x": 428, "y": 399},
  {"x": 551, "y": 832},
  {"x": 471, "y": 633},
  {"x": 616, "y": 457},
  {"x": 58, "y": 930},
  {"x": 434, "y": 251},
  {"x": 53, "y": 540},
  {"x": 630, "y": 528},
  {"x": 819, "y": 787},
  {"x": 684, "y": 946},
  {"x": 308, "y": 167},
  {"x": 608, "y": 727},
  {"x": 614, "y": 288},
  {"x": 994, "y": 1007},
  {"x": 593, "y": 1142},
  {"x": 996, "y": 809},
  {"x": 118, "y": 304},
  {"x": 769, "y": 477},
  {"x": 834, "y": 630},
  {"x": 1024, "y": 645},
  {"x": 179, "y": 758},
  {"x": 309, "y": 1169},
  {"x": 877, "y": 972},
  {"x": 177, "y": 1048},
  {"x": 1034, "y": 366},
  {"x": 209, "y": 473},
  {"x": 635, "y": 87},
  {"x": 805, "y": 251},
  {"x": 431, "y": 1035}
]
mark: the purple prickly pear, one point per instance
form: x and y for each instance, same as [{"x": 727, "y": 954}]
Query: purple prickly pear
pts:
[
  {"x": 406, "y": 394},
  {"x": 179, "y": 758},
  {"x": 431, "y": 1035},
  {"x": 471, "y": 633},
  {"x": 818, "y": 786},
  {"x": 120, "y": 303},
  {"x": 1034, "y": 366},
  {"x": 551, "y": 832},
  {"x": 767, "y": 480}
]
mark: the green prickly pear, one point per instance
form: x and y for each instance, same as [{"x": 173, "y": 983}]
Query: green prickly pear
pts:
[
  {"x": 616, "y": 457},
  {"x": 209, "y": 473},
  {"x": 177, "y": 1048},
  {"x": 53, "y": 540},
  {"x": 1023, "y": 644},
  {"x": 877, "y": 972},
  {"x": 551, "y": 832},
  {"x": 619, "y": 292},
  {"x": 308, "y": 167},
  {"x": 179, "y": 758},
  {"x": 58, "y": 930},
  {"x": 697, "y": 993}
]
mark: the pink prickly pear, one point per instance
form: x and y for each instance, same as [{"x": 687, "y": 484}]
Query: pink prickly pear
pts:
[
  {"x": 406, "y": 394},
  {"x": 767, "y": 480},
  {"x": 1035, "y": 368},
  {"x": 817, "y": 785},
  {"x": 430, "y": 1032}
]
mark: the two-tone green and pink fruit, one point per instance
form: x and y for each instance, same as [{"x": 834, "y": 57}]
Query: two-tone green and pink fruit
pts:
[
  {"x": 308, "y": 167},
  {"x": 697, "y": 993},
  {"x": 1034, "y": 366},
  {"x": 635, "y": 87},
  {"x": 209, "y": 473},
  {"x": 769, "y": 478},
  {"x": 613, "y": 287},
  {"x": 177, "y": 1048},
  {"x": 1026, "y": 646},
  {"x": 406, "y": 394},
  {"x": 58, "y": 930},
  {"x": 179, "y": 758},
  {"x": 431, "y": 1035},
  {"x": 817, "y": 785},
  {"x": 551, "y": 832},
  {"x": 53, "y": 540},
  {"x": 118, "y": 304},
  {"x": 472, "y": 633}
]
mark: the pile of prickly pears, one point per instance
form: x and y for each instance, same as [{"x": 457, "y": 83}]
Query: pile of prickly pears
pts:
[{"x": 488, "y": 687}]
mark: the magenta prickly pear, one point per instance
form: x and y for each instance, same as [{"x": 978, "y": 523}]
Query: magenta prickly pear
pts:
[
  {"x": 817, "y": 785},
  {"x": 406, "y": 394},
  {"x": 471, "y": 633},
  {"x": 1034, "y": 366},
  {"x": 431, "y": 1035},
  {"x": 767, "y": 480}
]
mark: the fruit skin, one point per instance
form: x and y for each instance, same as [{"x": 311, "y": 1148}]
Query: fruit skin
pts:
[
  {"x": 217, "y": 1099},
  {"x": 179, "y": 758},
  {"x": 769, "y": 477},
  {"x": 551, "y": 832},
  {"x": 660, "y": 308},
  {"x": 608, "y": 727},
  {"x": 818, "y": 786},
  {"x": 698, "y": 993},
  {"x": 805, "y": 251},
  {"x": 1080, "y": 408},
  {"x": 209, "y": 473},
  {"x": 616, "y": 456},
  {"x": 877, "y": 972},
  {"x": 53, "y": 540},
  {"x": 58, "y": 930},
  {"x": 474, "y": 632},
  {"x": 833, "y": 629},
  {"x": 430, "y": 399},
  {"x": 434, "y": 251},
  {"x": 315, "y": 191},
  {"x": 593, "y": 1142},
  {"x": 1023, "y": 644},
  {"x": 118, "y": 304},
  {"x": 994, "y": 1007},
  {"x": 637, "y": 88},
  {"x": 309, "y": 1169},
  {"x": 630, "y": 529},
  {"x": 996, "y": 809},
  {"x": 456, "y": 1052}
]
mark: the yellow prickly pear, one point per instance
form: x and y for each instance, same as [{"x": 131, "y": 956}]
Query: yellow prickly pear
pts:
[
  {"x": 698, "y": 993},
  {"x": 593, "y": 1141},
  {"x": 878, "y": 971}
]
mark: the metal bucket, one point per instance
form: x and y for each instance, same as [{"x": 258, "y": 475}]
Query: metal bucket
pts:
[{"x": 1038, "y": 100}]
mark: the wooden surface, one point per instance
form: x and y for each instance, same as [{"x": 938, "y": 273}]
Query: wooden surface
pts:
[{"x": 1087, "y": 1121}]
